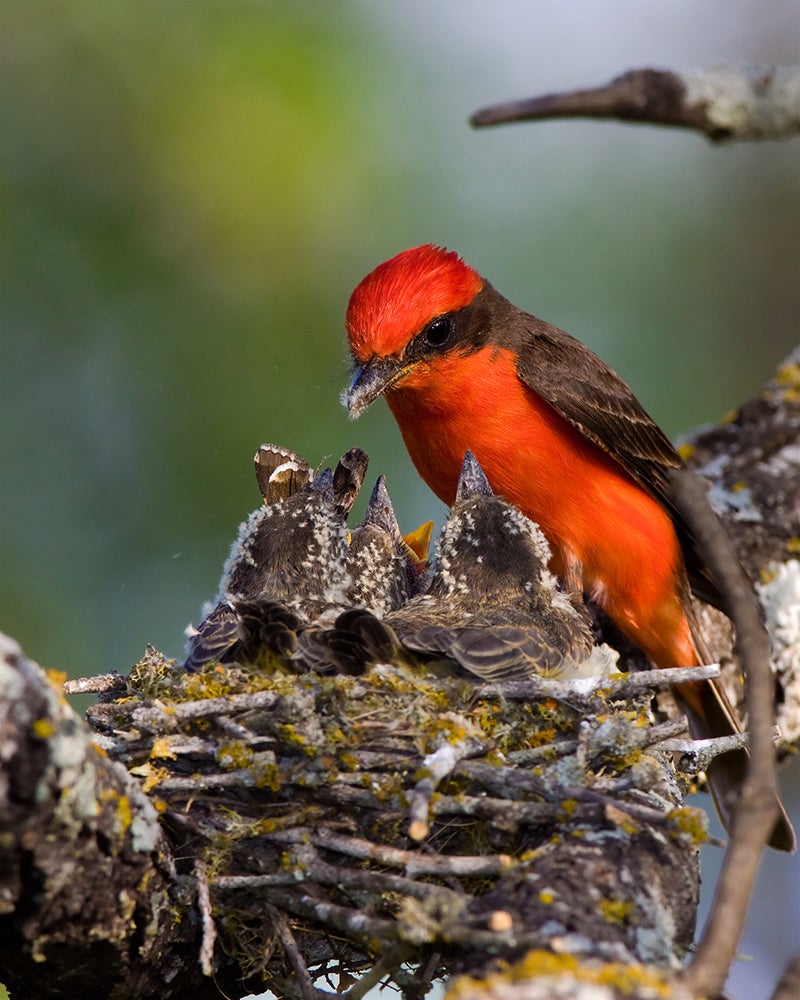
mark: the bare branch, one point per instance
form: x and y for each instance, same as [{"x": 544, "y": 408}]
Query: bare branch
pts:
[
  {"x": 413, "y": 862},
  {"x": 307, "y": 989},
  {"x": 723, "y": 104},
  {"x": 435, "y": 767},
  {"x": 758, "y": 806}
]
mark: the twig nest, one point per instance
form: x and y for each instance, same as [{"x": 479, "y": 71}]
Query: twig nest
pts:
[{"x": 406, "y": 809}]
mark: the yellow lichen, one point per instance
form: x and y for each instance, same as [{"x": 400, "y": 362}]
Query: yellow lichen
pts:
[
  {"x": 787, "y": 380},
  {"x": 234, "y": 755},
  {"x": 267, "y": 776},
  {"x": 209, "y": 683},
  {"x": 616, "y": 911},
  {"x": 542, "y": 965},
  {"x": 162, "y": 749},
  {"x": 622, "y": 819},
  {"x": 123, "y": 813},
  {"x": 43, "y": 729},
  {"x": 688, "y": 822},
  {"x": 768, "y": 574},
  {"x": 153, "y": 776},
  {"x": 294, "y": 738},
  {"x": 788, "y": 375}
]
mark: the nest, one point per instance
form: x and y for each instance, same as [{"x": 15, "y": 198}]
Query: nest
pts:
[
  {"x": 386, "y": 826},
  {"x": 415, "y": 800}
]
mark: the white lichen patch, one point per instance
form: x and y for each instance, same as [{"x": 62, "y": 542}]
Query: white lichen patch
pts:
[
  {"x": 737, "y": 504},
  {"x": 784, "y": 460},
  {"x": 751, "y": 103},
  {"x": 780, "y": 597}
]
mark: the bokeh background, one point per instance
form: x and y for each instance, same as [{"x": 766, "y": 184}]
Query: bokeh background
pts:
[{"x": 189, "y": 191}]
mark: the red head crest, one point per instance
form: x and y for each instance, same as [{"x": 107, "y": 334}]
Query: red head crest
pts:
[{"x": 402, "y": 295}]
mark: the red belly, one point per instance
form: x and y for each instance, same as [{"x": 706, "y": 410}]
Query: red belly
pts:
[{"x": 589, "y": 508}]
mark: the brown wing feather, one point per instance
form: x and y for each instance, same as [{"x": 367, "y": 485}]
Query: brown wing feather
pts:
[{"x": 590, "y": 395}]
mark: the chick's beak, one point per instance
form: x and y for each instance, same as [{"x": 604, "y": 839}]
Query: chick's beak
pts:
[{"x": 371, "y": 380}]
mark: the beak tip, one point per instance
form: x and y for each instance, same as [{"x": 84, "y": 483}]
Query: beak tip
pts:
[
  {"x": 348, "y": 401},
  {"x": 370, "y": 382}
]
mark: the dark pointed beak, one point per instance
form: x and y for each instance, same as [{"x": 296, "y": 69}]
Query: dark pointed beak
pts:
[
  {"x": 380, "y": 510},
  {"x": 371, "y": 380},
  {"x": 472, "y": 481}
]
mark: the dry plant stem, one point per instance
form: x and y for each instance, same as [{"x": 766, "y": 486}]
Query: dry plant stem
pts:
[
  {"x": 644, "y": 679},
  {"x": 207, "y": 918},
  {"x": 151, "y": 717},
  {"x": 788, "y": 987},
  {"x": 619, "y": 688},
  {"x": 388, "y": 964},
  {"x": 341, "y": 919},
  {"x": 317, "y": 871},
  {"x": 307, "y": 989},
  {"x": 722, "y": 104},
  {"x": 96, "y": 685},
  {"x": 436, "y": 766},
  {"x": 412, "y": 862},
  {"x": 637, "y": 812},
  {"x": 757, "y": 808}
]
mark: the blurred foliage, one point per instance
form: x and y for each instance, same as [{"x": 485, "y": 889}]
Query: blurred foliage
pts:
[{"x": 191, "y": 189}]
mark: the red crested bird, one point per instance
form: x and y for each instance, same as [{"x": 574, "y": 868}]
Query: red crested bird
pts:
[{"x": 560, "y": 435}]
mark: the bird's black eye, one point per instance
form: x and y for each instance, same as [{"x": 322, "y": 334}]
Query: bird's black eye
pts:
[{"x": 438, "y": 330}]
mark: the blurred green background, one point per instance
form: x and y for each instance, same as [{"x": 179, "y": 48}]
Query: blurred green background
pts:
[{"x": 190, "y": 190}]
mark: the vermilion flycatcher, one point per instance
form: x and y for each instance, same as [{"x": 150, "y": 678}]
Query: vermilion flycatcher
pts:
[{"x": 560, "y": 435}]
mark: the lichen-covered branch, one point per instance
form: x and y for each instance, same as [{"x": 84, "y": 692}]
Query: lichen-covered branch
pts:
[
  {"x": 723, "y": 104},
  {"x": 89, "y": 897},
  {"x": 309, "y": 814},
  {"x": 752, "y": 461}
]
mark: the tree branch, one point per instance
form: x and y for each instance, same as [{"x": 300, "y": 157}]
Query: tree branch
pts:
[
  {"x": 723, "y": 104},
  {"x": 758, "y": 806}
]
